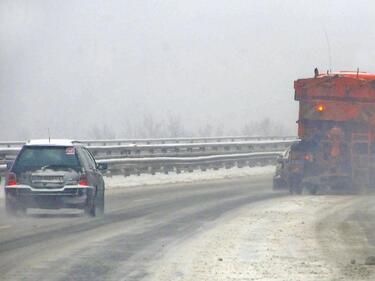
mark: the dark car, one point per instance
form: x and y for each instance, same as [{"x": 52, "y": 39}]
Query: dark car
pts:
[
  {"x": 280, "y": 179},
  {"x": 54, "y": 174},
  {"x": 292, "y": 166}
]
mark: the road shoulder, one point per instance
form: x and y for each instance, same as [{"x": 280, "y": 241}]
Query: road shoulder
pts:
[{"x": 272, "y": 240}]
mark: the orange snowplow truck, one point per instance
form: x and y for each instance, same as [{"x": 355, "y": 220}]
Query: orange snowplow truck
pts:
[{"x": 336, "y": 127}]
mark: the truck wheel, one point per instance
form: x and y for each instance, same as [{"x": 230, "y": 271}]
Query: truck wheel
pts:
[
  {"x": 276, "y": 184},
  {"x": 295, "y": 188},
  {"x": 291, "y": 191},
  {"x": 313, "y": 189},
  {"x": 298, "y": 188}
]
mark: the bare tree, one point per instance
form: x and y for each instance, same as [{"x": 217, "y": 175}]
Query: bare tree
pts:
[
  {"x": 129, "y": 129},
  {"x": 265, "y": 127},
  {"x": 151, "y": 128},
  {"x": 174, "y": 126},
  {"x": 219, "y": 131},
  {"x": 206, "y": 131},
  {"x": 103, "y": 132}
]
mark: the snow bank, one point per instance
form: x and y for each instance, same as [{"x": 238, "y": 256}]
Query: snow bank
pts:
[{"x": 196, "y": 176}]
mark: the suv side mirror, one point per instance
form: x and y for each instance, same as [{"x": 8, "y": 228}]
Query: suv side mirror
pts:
[
  {"x": 102, "y": 166},
  {"x": 9, "y": 164}
]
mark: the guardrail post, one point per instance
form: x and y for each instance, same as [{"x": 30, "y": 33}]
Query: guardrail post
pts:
[
  {"x": 240, "y": 164},
  {"x": 166, "y": 170},
  {"x": 126, "y": 172},
  {"x": 151, "y": 170}
]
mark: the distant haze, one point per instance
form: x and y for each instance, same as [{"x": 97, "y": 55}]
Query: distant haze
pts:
[{"x": 91, "y": 68}]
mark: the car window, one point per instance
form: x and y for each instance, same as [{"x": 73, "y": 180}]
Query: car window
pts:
[
  {"x": 88, "y": 159},
  {"x": 83, "y": 159},
  {"x": 92, "y": 159},
  {"x": 33, "y": 158}
]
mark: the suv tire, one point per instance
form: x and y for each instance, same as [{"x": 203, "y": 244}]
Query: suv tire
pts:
[
  {"x": 99, "y": 203},
  {"x": 90, "y": 208},
  {"x": 12, "y": 207},
  {"x": 95, "y": 205}
]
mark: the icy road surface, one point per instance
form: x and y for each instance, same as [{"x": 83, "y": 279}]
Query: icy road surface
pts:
[
  {"x": 291, "y": 238},
  {"x": 229, "y": 229}
]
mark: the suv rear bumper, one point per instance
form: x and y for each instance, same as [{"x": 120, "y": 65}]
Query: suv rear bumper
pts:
[{"x": 66, "y": 197}]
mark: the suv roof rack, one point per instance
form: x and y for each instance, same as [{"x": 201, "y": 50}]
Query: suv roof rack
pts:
[{"x": 52, "y": 142}]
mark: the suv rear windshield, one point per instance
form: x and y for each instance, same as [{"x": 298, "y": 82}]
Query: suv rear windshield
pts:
[{"x": 34, "y": 158}]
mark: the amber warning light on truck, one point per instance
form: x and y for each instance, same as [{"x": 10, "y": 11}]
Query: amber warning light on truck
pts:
[{"x": 320, "y": 108}]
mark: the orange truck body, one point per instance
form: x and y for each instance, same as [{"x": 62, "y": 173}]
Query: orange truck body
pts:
[
  {"x": 337, "y": 115},
  {"x": 339, "y": 97}
]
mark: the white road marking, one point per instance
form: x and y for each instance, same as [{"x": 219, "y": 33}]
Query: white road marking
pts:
[
  {"x": 142, "y": 200},
  {"x": 5, "y": 226}
]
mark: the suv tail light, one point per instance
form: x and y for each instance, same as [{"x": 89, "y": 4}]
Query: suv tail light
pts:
[
  {"x": 83, "y": 180},
  {"x": 11, "y": 179},
  {"x": 308, "y": 157}
]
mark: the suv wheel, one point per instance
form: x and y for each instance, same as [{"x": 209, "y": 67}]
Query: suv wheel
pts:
[
  {"x": 99, "y": 203},
  {"x": 12, "y": 207},
  {"x": 90, "y": 208},
  {"x": 95, "y": 205}
]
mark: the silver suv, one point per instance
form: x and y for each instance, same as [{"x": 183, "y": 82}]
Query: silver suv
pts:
[{"x": 53, "y": 174}]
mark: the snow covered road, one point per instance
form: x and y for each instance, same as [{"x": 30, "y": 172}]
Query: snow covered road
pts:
[
  {"x": 224, "y": 229},
  {"x": 140, "y": 224},
  {"x": 290, "y": 238}
]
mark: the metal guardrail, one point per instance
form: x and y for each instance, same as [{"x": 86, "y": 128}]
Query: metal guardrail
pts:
[
  {"x": 187, "y": 149},
  {"x": 162, "y": 140},
  {"x": 12, "y": 143},
  {"x": 150, "y": 158},
  {"x": 177, "y": 164}
]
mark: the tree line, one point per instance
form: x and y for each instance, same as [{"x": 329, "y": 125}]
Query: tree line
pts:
[{"x": 173, "y": 127}]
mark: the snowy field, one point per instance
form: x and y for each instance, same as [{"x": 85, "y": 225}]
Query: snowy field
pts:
[{"x": 196, "y": 176}]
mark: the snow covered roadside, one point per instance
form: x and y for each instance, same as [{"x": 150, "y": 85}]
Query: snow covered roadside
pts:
[
  {"x": 196, "y": 176},
  {"x": 268, "y": 241}
]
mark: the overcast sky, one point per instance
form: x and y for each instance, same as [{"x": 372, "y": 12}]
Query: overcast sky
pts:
[{"x": 73, "y": 65}]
